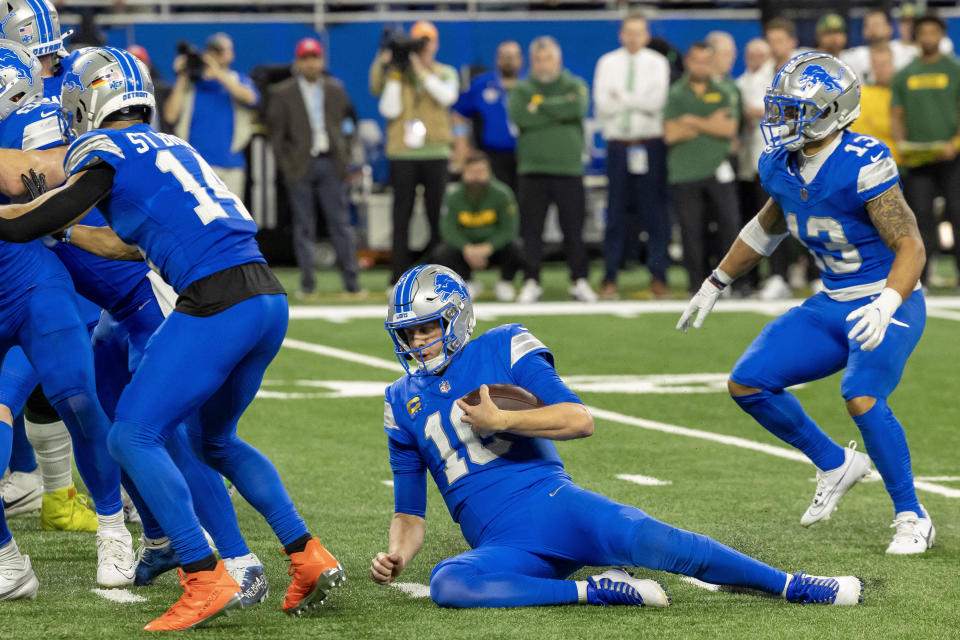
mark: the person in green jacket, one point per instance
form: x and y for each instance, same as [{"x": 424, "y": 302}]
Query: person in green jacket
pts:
[
  {"x": 479, "y": 227},
  {"x": 548, "y": 109}
]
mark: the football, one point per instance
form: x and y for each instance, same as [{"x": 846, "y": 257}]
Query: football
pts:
[{"x": 508, "y": 397}]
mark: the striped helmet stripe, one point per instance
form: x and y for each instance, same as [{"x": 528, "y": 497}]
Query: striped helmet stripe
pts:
[
  {"x": 42, "y": 19},
  {"x": 405, "y": 288},
  {"x": 125, "y": 67}
]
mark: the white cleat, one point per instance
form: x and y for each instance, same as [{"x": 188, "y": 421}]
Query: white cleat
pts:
[
  {"x": 116, "y": 562},
  {"x": 530, "y": 292},
  {"x": 914, "y": 534},
  {"x": 504, "y": 291},
  {"x": 474, "y": 288},
  {"x": 582, "y": 292},
  {"x": 775, "y": 288},
  {"x": 22, "y": 492},
  {"x": 17, "y": 579},
  {"x": 843, "y": 591},
  {"x": 831, "y": 485}
]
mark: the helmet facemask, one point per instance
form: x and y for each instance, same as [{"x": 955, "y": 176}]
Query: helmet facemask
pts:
[
  {"x": 407, "y": 354},
  {"x": 785, "y": 119}
]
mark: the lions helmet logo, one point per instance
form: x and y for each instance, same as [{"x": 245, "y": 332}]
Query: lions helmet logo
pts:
[
  {"x": 71, "y": 80},
  {"x": 815, "y": 75},
  {"x": 10, "y": 60},
  {"x": 445, "y": 285},
  {"x": 3, "y": 25}
]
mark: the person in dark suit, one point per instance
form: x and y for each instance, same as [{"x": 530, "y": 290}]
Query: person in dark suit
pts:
[{"x": 306, "y": 119}]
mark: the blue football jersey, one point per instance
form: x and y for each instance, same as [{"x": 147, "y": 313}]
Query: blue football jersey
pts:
[
  {"x": 53, "y": 84},
  {"x": 425, "y": 433},
  {"x": 168, "y": 201},
  {"x": 829, "y": 215},
  {"x": 106, "y": 283}
]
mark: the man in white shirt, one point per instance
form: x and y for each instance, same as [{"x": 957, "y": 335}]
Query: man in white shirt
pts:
[
  {"x": 630, "y": 90},
  {"x": 753, "y": 85},
  {"x": 877, "y": 33}
]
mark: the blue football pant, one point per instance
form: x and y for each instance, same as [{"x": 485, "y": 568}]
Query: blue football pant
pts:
[
  {"x": 521, "y": 558},
  {"x": 204, "y": 371},
  {"x": 56, "y": 346},
  {"x": 118, "y": 348},
  {"x": 6, "y": 442},
  {"x": 810, "y": 342},
  {"x": 21, "y": 455}
]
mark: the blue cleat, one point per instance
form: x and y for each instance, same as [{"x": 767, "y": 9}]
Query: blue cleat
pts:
[
  {"x": 248, "y": 572},
  {"x": 152, "y": 562},
  {"x": 617, "y": 587},
  {"x": 842, "y": 591}
]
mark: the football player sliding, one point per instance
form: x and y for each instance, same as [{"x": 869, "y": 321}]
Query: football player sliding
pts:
[
  {"x": 528, "y": 525},
  {"x": 163, "y": 202},
  {"x": 838, "y": 193}
]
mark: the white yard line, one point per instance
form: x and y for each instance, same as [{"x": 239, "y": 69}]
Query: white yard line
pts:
[
  {"x": 645, "y": 481},
  {"x": 412, "y": 589},
  {"x": 700, "y": 583},
  {"x": 388, "y": 483},
  {"x": 119, "y": 595},
  {"x": 342, "y": 354}
]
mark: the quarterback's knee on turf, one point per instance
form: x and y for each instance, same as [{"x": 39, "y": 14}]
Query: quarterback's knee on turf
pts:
[
  {"x": 736, "y": 389},
  {"x": 860, "y": 405},
  {"x": 450, "y": 586}
]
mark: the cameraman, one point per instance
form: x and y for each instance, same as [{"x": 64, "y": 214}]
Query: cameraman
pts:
[
  {"x": 416, "y": 94},
  {"x": 211, "y": 108}
]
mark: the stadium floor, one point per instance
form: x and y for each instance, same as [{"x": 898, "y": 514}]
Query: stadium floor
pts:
[{"x": 662, "y": 414}]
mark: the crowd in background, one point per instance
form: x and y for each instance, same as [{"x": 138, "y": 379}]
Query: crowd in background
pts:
[{"x": 681, "y": 135}]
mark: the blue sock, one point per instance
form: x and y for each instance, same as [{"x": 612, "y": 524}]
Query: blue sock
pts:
[
  {"x": 162, "y": 487},
  {"x": 255, "y": 478},
  {"x": 462, "y": 586},
  {"x": 6, "y": 442},
  {"x": 21, "y": 455},
  {"x": 886, "y": 444},
  {"x": 210, "y": 498},
  {"x": 659, "y": 546},
  {"x": 781, "y": 414},
  {"x": 88, "y": 426}
]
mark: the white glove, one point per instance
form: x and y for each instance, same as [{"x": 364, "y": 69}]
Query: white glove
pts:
[
  {"x": 874, "y": 319},
  {"x": 703, "y": 301}
]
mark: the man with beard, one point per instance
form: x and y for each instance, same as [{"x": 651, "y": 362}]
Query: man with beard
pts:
[
  {"x": 485, "y": 104},
  {"x": 832, "y": 34},
  {"x": 878, "y": 34},
  {"x": 479, "y": 227}
]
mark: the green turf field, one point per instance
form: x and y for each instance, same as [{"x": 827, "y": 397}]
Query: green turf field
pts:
[{"x": 332, "y": 453}]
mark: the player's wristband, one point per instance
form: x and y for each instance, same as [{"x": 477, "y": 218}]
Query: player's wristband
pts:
[
  {"x": 460, "y": 131},
  {"x": 719, "y": 279},
  {"x": 66, "y": 234}
]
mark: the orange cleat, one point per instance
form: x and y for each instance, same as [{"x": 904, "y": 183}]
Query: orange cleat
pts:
[
  {"x": 315, "y": 573},
  {"x": 206, "y": 595}
]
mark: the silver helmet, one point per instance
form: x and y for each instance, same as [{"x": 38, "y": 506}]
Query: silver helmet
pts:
[
  {"x": 812, "y": 96},
  {"x": 20, "y": 80},
  {"x": 35, "y": 24},
  {"x": 102, "y": 81},
  {"x": 422, "y": 294}
]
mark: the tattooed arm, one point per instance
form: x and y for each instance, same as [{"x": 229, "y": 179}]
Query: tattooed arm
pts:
[{"x": 894, "y": 219}]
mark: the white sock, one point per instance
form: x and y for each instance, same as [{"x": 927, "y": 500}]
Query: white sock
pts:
[
  {"x": 581, "y": 591},
  {"x": 10, "y": 554},
  {"x": 54, "y": 452},
  {"x": 787, "y": 585},
  {"x": 113, "y": 525}
]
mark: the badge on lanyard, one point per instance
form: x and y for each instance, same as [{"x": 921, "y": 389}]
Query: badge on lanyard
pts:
[
  {"x": 638, "y": 163},
  {"x": 414, "y": 134}
]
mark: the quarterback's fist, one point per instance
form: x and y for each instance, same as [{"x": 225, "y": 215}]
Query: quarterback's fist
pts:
[
  {"x": 385, "y": 567},
  {"x": 874, "y": 318},
  {"x": 703, "y": 301}
]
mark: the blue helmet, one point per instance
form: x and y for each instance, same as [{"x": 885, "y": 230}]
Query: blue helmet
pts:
[{"x": 426, "y": 293}]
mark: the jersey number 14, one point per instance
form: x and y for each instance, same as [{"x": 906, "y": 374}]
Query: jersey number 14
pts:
[{"x": 208, "y": 208}]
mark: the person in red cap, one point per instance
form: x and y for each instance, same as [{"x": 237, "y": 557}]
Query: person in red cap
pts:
[
  {"x": 310, "y": 120},
  {"x": 416, "y": 95},
  {"x": 161, "y": 88}
]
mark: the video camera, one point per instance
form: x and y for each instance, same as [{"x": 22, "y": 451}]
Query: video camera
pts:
[
  {"x": 194, "y": 60},
  {"x": 401, "y": 46}
]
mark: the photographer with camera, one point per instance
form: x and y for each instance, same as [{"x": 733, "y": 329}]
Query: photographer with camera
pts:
[
  {"x": 416, "y": 93},
  {"x": 211, "y": 107}
]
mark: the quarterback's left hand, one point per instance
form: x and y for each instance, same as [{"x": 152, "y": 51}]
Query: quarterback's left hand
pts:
[
  {"x": 485, "y": 418},
  {"x": 874, "y": 319}
]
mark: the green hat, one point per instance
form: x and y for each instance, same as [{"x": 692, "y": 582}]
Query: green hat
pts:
[
  {"x": 908, "y": 11},
  {"x": 831, "y": 22}
]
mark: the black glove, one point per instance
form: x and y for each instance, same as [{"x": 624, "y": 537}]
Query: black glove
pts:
[{"x": 35, "y": 184}]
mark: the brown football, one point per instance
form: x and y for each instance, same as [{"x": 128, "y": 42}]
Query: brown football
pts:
[{"x": 508, "y": 397}]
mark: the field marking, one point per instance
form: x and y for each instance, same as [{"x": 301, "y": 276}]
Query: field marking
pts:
[
  {"x": 700, "y": 583},
  {"x": 119, "y": 595},
  {"x": 613, "y": 416},
  {"x": 947, "y": 307},
  {"x": 413, "y": 589},
  {"x": 388, "y": 483},
  {"x": 645, "y": 481},
  {"x": 939, "y": 478}
]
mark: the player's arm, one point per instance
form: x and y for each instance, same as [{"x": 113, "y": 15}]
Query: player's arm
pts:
[
  {"x": 406, "y": 538},
  {"x": 58, "y": 208},
  {"x": 14, "y": 163},
  {"x": 759, "y": 238},
  {"x": 560, "y": 421},
  {"x": 103, "y": 242},
  {"x": 897, "y": 225}
]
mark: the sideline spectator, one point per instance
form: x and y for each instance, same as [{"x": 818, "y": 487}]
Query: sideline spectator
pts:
[
  {"x": 698, "y": 128},
  {"x": 415, "y": 98},
  {"x": 214, "y": 114},
  {"x": 753, "y": 86},
  {"x": 485, "y": 104},
  {"x": 877, "y": 33},
  {"x": 874, "y": 117},
  {"x": 724, "y": 50},
  {"x": 305, "y": 120},
  {"x": 832, "y": 34},
  {"x": 924, "y": 119},
  {"x": 479, "y": 226},
  {"x": 161, "y": 88},
  {"x": 781, "y": 35},
  {"x": 906, "y": 14},
  {"x": 548, "y": 109},
  {"x": 630, "y": 87}
]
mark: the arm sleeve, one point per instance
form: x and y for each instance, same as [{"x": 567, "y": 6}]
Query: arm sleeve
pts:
[
  {"x": 605, "y": 104},
  {"x": 57, "y": 211},
  {"x": 442, "y": 87},
  {"x": 466, "y": 104},
  {"x": 391, "y": 100},
  {"x": 877, "y": 177},
  {"x": 409, "y": 470},
  {"x": 566, "y": 107}
]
